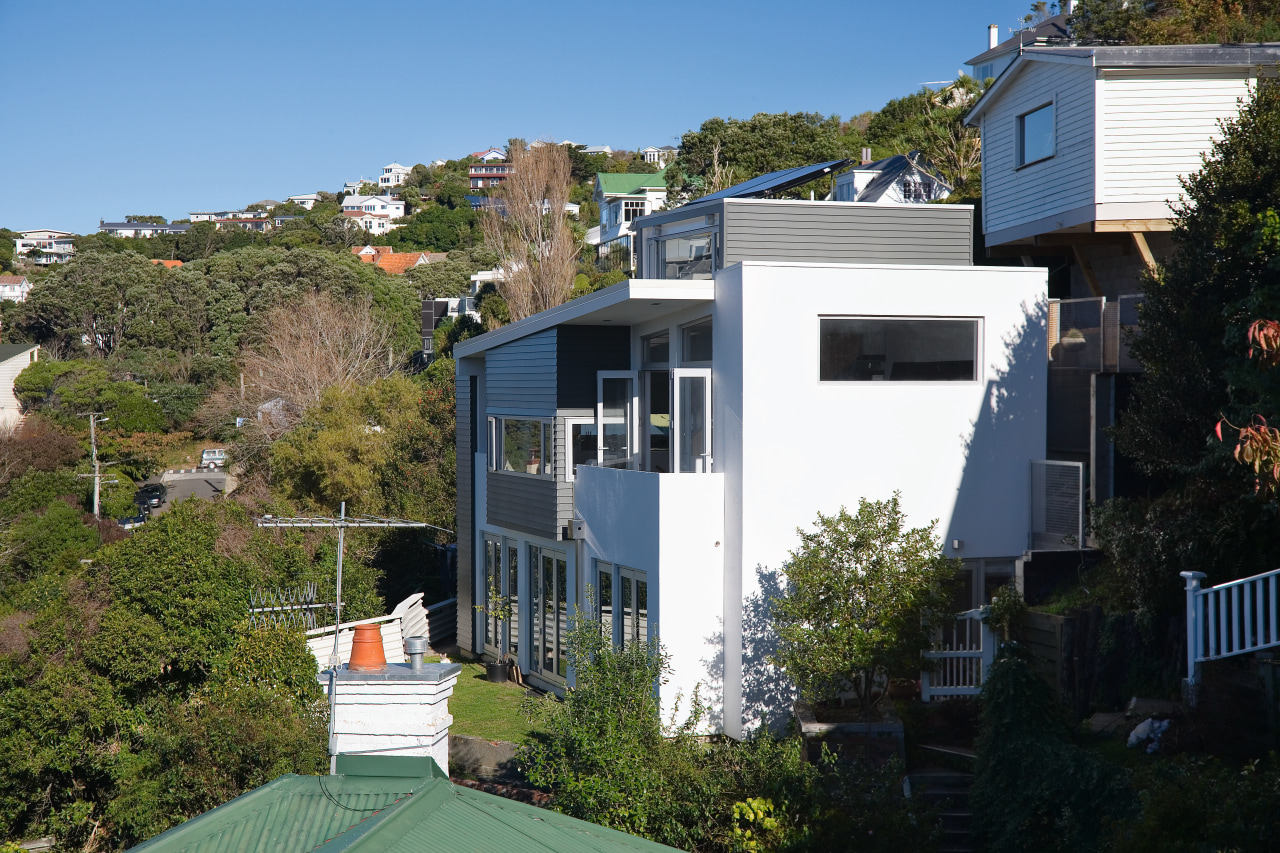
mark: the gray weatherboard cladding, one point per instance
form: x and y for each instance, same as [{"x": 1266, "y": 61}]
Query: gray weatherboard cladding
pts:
[
  {"x": 843, "y": 233},
  {"x": 464, "y": 443},
  {"x": 520, "y": 377},
  {"x": 522, "y": 502}
]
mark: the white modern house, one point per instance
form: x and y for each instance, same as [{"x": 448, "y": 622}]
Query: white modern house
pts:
[
  {"x": 305, "y": 201},
  {"x": 393, "y": 175},
  {"x": 14, "y": 358},
  {"x": 14, "y": 287},
  {"x": 382, "y": 205},
  {"x": 623, "y": 198},
  {"x": 901, "y": 179},
  {"x": 659, "y": 442},
  {"x": 1083, "y": 152},
  {"x": 55, "y": 246}
]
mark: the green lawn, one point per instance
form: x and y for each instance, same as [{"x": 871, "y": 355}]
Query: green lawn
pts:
[{"x": 486, "y": 710}]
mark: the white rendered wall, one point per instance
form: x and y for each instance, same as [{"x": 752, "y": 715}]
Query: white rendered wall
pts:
[
  {"x": 10, "y": 408},
  {"x": 671, "y": 527},
  {"x": 958, "y": 452}
]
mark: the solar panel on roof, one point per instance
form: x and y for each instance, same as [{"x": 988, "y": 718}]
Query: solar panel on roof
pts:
[{"x": 776, "y": 182}]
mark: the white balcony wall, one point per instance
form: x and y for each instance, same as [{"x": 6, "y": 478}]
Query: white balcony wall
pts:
[{"x": 670, "y": 526}]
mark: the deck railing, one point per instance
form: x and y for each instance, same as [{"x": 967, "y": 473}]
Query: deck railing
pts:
[{"x": 1234, "y": 618}]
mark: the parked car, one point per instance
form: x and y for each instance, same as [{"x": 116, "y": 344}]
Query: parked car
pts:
[
  {"x": 150, "y": 496},
  {"x": 213, "y": 457}
]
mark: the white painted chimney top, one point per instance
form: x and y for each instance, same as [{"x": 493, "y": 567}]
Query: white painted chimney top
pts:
[{"x": 993, "y": 35}]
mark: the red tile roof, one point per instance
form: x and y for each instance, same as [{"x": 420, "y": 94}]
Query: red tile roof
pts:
[
  {"x": 168, "y": 264},
  {"x": 12, "y": 279}
]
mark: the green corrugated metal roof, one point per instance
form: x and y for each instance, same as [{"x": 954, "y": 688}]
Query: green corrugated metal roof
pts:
[
  {"x": 622, "y": 184},
  {"x": 384, "y": 804}
]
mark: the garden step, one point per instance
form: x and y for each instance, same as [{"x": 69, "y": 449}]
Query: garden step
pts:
[
  {"x": 954, "y": 751},
  {"x": 949, "y": 791}
]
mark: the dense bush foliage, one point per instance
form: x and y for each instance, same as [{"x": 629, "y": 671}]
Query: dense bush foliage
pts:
[
  {"x": 1034, "y": 788},
  {"x": 607, "y": 757}
]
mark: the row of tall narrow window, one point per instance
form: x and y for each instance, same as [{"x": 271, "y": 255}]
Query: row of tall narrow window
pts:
[{"x": 622, "y": 605}]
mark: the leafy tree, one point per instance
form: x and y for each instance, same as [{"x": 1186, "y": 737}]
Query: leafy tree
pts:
[
  {"x": 94, "y": 298},
  {"x": 452, "y": 276},
  {"x": 385, "y": 448},
  {"x": 40, "y": 540},
  {"x": 1034, "y": 788},
  {"x": 436, "y": 229},
  {"x": 147, "y": 220},
  {"x": 724, "y": 152},
  {"x": 1197, "y": 370},
  {"x": 864, "y": 596},
  {"x": 606, "y": 757},
  {"x": 1176, "y": 21}
]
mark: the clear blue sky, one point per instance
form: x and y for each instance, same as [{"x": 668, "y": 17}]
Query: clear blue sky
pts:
[{"x": 164, "y": 108}]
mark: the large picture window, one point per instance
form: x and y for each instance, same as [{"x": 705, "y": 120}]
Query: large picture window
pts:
[
  {"x": 917, "y": 349},
  {"x": 686, "y": 257},
  {"x": 1035, "y": 135},
  {"x": 521, "y": 445}
]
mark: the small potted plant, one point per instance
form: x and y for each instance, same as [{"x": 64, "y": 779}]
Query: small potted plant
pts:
[{"x": 498, "y": 606}]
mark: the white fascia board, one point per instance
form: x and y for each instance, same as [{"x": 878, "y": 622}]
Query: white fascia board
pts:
[{"x": 582, "y": 308}]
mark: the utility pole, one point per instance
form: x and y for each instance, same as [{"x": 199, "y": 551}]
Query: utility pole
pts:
[
  {"x": 342, "y": 522},
  {"x": 95, "y": 418}
]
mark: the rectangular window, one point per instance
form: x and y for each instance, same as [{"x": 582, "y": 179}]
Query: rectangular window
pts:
[
  {"x": 872, "y": 349},
  {"x": 696, "y": 343},
  {"x": 521, "y": 445},
  {"x": 656, "y": 349},
  {"x": 583, "y": 444},
  {"x": 1035, "y": 135},
  {"x": 615, "y": 419},
  {"x": 604, "y": 598},
  {"x": 632, "y": 209},
  {"x": 686, "y": 257}
]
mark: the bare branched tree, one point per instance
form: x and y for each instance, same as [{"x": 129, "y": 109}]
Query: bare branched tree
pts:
[
  {"x": 528, "y": 230},
  {"x": 315, "y": 344}
]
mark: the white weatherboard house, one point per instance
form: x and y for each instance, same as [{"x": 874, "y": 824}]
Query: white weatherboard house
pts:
[
  {"x": 14, "y": 358},
  {"x": 661, "y": 440},
  {"x": 55, "y": 246},
  {"x": 1083, "y": 149}
]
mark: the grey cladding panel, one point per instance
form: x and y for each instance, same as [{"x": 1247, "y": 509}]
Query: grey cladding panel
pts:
[
  {"x": 464, "y": 438},
  {"x": 522, "y": 503},
  {"x": 583, "y": 350},
  {"x": 520, "y": 377},
  {"x": 888, "y": 234}
]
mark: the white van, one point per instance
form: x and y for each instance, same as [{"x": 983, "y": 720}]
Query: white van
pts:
[{"x": 214, "y": 457}]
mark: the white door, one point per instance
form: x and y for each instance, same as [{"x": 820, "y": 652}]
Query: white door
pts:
[{"x": 691, "y": 437}]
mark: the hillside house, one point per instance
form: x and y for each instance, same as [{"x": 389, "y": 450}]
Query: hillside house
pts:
[
  {"x": 393, "y": 175},
  {"x": 55, "y": 247},
  {"x": 659, "y": 441},
  {"x": 394, "y": 262},
  {"x": 14, "y": 287},
  {"x": 1083, "y": 150},
  {"x": 999, "y": 55},
  {"x": 14, "y": 358},
  {"x": 140, "y": 229},
  {"x": 306, "y": 201},
  {"x": 901, "y": 179},
  {"x": 489, "y": 173},
  {"x": 661, "y": 156},
  {"x": 490, "y": 155},
  {"x": 622, "y": 199},
  {"x": 383, "y": 205}
]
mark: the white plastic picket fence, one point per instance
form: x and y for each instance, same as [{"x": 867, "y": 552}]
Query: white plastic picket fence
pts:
[{"x": 409, "y": 619}]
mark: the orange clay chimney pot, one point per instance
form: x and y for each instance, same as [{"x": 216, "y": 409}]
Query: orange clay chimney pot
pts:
[{"x": 366, "y": 649}]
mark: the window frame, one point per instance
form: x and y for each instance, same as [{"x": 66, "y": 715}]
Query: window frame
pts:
[
  {"x": 1020, "y": 136},
  {"x": 978, "y": 371},
  {"x": 495, "y": 434},
  {"x": 713, "y": 235}
]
